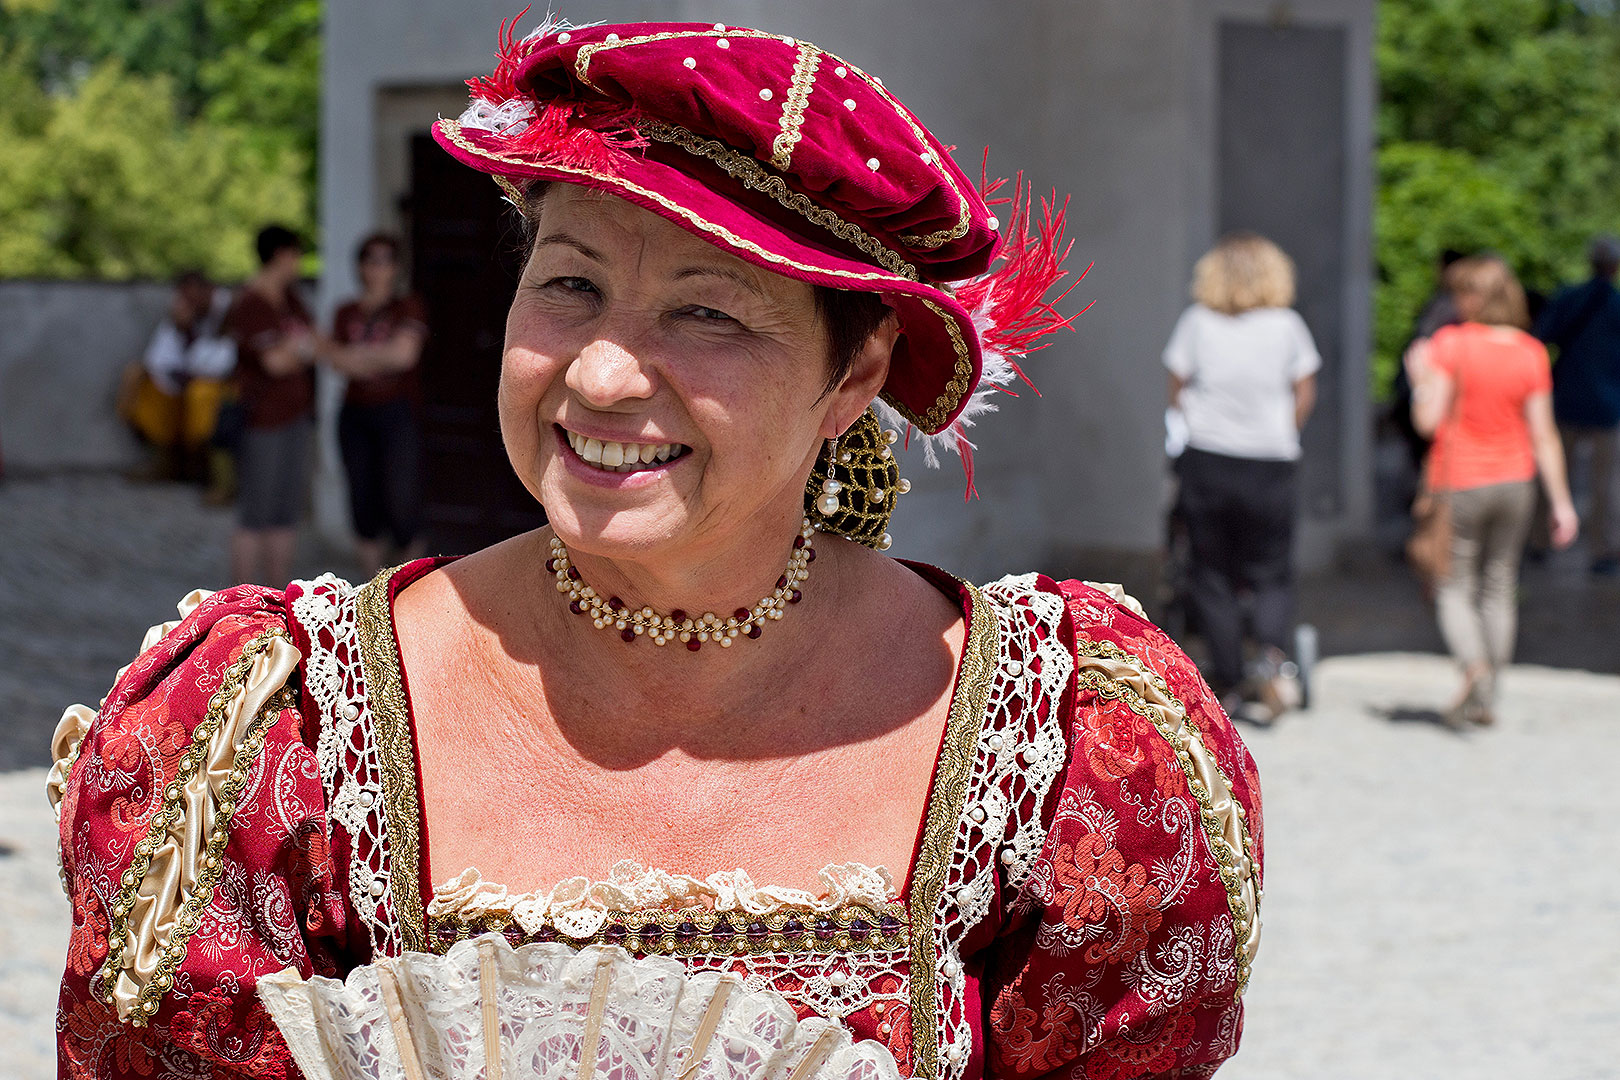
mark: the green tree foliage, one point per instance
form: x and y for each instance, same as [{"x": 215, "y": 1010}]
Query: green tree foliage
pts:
[
  {"x": 143, "y": 136},
  {"x": 1499, "y": 129}
]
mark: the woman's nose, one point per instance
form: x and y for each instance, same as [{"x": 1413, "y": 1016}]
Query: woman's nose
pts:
[{"x": 607, "y": 371}]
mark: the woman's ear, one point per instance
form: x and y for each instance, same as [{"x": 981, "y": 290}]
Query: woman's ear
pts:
[{"x": 866, "y": 377}]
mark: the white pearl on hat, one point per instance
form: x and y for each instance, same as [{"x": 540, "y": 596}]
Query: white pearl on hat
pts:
[
  {"x": 877, "y": 80},
  {"x": 724, "y": 43},
  {"x": 564, "y": 38},
  {"x": 872, "y": 163},
  {"x": 720, "y": 26},
  {"x": 994, "y": 222},
  {"x": 765, "y": 94},
  {"x": 927, "y": 158},
  {"x": 789, "y": 41},
  {"x": 849, "y": 103},
  {"x": 840, "y": 71},
  {"x": 613, "y": 39},
  {"x": 690, "y": 62}
]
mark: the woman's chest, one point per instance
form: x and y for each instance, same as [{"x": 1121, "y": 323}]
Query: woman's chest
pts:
[{"x": 565, "y": 813}]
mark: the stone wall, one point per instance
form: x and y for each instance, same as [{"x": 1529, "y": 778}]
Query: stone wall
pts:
[{"x": 63, "y": 348}]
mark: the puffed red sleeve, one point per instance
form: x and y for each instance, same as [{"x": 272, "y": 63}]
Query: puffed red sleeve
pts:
[
  {"x": 1126, "y": 949},
  {"x": 194, "y": 849}
]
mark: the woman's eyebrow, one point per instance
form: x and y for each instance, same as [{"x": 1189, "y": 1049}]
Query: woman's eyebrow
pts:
[
  {"x": 564, "y": 240},
  {"x": 736, "y": 277}
]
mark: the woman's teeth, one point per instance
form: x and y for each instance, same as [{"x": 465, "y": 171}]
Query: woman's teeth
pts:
[{"x": 623, "y": 457}]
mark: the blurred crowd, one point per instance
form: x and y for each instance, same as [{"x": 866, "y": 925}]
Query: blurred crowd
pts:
[
  {"x": 1493, "y": 425},
  {"x": 225, "y": 396}
]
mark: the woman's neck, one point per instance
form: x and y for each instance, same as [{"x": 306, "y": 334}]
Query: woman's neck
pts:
[
  {"x": 373, "y": 300},
  {"x": 720, "y": 586}
]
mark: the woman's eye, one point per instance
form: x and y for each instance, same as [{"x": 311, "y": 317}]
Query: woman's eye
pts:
[
  {"x": 572, "y": 284},
  {"x": 708, "y": 314}
]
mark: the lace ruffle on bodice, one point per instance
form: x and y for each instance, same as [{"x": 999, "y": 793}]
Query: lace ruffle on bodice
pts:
[{"x": 578, "y": 907}]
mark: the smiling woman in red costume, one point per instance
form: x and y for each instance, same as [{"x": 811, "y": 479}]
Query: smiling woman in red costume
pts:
[{"x": 696, "y": 781}]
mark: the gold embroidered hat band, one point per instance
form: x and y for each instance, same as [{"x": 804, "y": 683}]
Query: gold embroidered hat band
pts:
[{"x": 797, "y": 161}]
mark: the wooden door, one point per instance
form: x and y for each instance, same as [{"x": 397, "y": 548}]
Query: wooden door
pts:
[{"x": 467, "y": 253}]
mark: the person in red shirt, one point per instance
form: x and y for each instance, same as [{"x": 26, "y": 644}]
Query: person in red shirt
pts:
[
  {"x": 377, "y": 342},
  {"x": 275, "y": 354},
  {"x": 1484, "y": 389}
]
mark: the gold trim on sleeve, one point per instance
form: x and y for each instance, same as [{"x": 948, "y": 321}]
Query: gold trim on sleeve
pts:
[
  {"x": 1116, "y": 675},
  {"x": 945, "y": 804},
  {"x": 798, "y": 96},
  {"x": 385, "y": 690},
  {"x": 154, "y": 913}
]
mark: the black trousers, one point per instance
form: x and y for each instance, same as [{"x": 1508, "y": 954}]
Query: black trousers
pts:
[
  {"x": 382, "y": 454},
  {"x": 1240, "y": 528}
]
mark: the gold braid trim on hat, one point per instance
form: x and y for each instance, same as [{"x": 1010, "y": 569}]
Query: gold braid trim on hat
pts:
[
  {"x": 934, "y": 420},
  {"x": 873, "y": 281},
  {"x": 804, "y": 81},
  {"x": 754, "y": 176},
  {"x": 929, "y": 242}
]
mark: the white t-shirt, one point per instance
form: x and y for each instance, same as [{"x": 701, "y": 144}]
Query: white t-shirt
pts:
[{"x": 1240, "y": 372}]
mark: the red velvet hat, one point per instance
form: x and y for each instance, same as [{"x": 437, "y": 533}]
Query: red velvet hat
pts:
[{"x": 794, "y": 160}]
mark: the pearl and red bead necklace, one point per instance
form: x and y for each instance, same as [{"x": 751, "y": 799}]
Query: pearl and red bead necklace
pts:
[{"x": 612, "y": 614}]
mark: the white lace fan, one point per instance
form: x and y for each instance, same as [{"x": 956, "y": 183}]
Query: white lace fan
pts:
[{"x": 486, "y": 1011}]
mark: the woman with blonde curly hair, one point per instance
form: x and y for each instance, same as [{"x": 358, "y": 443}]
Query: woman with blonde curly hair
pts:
[{"x": 1243, "y": 374}]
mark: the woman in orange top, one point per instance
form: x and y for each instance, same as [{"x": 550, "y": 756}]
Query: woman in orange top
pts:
[{"x": 1484, "y": 388}]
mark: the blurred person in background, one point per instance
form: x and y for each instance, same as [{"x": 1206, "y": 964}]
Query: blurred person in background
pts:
[
  {"x": 1483, "y": 390},
  {"x": 1439, "y": 310},
  {"x": 276, "y": 351},
  {"x": 1583, "y": 322},
  {"x": 182, "y": 381},
  {"x": 1243, "y": 373},
  {"x": 377, "y": 342}
]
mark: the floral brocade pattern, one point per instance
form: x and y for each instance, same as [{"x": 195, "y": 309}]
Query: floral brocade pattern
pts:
[
  {"x": 264, "y": 900},
  {"x": 1083, "y": 902}
]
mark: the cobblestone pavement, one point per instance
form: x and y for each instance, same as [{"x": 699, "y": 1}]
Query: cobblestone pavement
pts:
[{"x": 1437, "y": 904}]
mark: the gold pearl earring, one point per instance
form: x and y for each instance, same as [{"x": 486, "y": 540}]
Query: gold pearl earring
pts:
[{"x": 855, "y": 482}]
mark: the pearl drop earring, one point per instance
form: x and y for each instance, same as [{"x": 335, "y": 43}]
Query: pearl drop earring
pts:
[{"x": 829, "y": 502}]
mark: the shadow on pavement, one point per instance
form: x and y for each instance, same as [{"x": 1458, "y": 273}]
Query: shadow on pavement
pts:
[{"x": 1410, "y": 714}]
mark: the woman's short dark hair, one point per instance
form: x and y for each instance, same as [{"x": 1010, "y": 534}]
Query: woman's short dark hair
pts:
[
  {"x": 851, "y": 317},
  {"x": 273, "y": 240}
]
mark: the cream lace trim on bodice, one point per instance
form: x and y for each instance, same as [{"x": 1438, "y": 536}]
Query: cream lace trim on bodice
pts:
[{"x": 579, "y": 906}]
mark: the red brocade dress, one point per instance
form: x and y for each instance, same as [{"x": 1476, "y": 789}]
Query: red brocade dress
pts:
[{"x": 1083, "y": 900}]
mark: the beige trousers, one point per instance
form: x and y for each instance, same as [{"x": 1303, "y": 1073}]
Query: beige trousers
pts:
[{"x": 1477, "y": 601}]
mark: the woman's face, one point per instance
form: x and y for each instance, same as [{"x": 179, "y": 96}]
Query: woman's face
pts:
[
  {"x": 379, "y": 269},
  {"x": 657, "y": 392}
]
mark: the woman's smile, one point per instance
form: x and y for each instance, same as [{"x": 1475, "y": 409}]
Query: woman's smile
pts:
[{"x": 608, "y": 458}]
